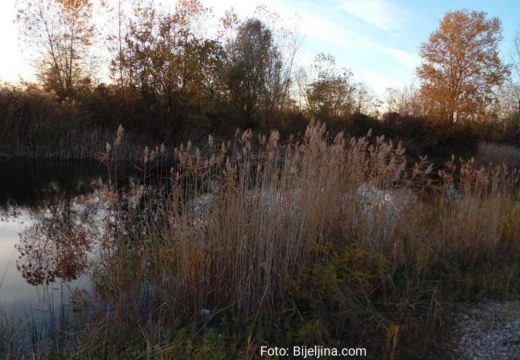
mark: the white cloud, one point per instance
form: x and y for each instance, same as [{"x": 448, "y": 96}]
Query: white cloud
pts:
[
  {"x": 310, "y": 20},
  {"x": 329, "y": 31},
  {"x": 378, "y": 81},
  {"x": 405, "y": 58},
  {"x": 379, "y": 13}
]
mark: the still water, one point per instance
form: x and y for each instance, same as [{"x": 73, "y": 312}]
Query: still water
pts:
[{"x": 50, "y": 219}]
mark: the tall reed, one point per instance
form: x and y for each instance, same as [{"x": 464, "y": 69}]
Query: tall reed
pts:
[
  {"x": 273, "y": 204},
  {"x": 329, "y": 237}
]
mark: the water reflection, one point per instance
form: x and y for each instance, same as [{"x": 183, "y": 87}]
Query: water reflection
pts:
[
  {"x": 51, "y": 215},
  {"x": 28, "y": 184},
  {"x": 57, "y": 244}
]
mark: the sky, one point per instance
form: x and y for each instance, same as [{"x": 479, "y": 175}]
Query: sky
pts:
[{"x": 378, "y": 40}]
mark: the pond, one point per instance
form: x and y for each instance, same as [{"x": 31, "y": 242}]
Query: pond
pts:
[{"x": 51, "y": 215}]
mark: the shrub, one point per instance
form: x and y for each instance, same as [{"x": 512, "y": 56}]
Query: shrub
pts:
[{"x": 498, "y": 154}]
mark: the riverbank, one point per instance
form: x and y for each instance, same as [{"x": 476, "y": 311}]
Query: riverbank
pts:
[{"x": 257, "y": 242}]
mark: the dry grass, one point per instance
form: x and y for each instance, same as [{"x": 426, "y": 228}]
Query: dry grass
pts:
[
  {"x": 497, "y": 154},
  {"x": 246, "y": 220},
  {"x": 279, "y": 203}
]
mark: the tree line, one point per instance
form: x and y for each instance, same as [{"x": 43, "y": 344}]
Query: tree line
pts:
[{"x": 183, "y": 73}]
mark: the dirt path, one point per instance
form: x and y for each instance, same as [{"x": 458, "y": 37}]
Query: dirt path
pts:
[{"x": 490, "y": 330}]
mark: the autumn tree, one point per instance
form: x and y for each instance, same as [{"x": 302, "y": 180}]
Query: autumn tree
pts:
[
  {"x": 461, "y": 68},
  {"x": 330, "y": 93},
  {"x": 62, "y": 32},
  {"x": 171, "y": 66},
  {"x": 253, "y": 72}
]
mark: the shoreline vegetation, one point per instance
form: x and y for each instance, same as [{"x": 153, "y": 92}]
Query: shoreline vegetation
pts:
[
  {"x": 312, "y": 241},
  {"x": 37, "y": 125},
  {"x": 315, "y": 214},
  {"x": 169, "y": 82}
]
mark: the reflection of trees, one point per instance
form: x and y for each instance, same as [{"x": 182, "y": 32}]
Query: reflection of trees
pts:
[
  {"x": 33, "y": 183},
  {"x": 57, "y": 245}
]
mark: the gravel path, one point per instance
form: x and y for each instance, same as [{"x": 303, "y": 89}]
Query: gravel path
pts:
[{"x": 489, "y": 330}]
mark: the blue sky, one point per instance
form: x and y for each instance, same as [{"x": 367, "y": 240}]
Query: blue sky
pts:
[{"x": 377, "y": 39}]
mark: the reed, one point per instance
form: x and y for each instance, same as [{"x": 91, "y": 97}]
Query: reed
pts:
[
  {"x": 319, "y": 239},
  {"x": 249, "y": 218},
  {"x": 497, "y": 154}
]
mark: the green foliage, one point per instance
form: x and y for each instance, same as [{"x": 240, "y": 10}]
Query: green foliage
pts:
[{"x": 335, "y": 295}]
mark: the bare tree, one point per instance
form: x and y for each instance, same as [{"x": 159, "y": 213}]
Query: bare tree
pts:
[
  {"x": 516, "y": 66},
  {"x": 404, "y": 100},
  {"x": 118, "y": 11},
  {"x": 62, "y": 32},
  {"x": 507, "y": 105}
]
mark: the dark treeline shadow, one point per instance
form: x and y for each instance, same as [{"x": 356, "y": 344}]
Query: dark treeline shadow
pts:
[{"x": 27, "y": 183}]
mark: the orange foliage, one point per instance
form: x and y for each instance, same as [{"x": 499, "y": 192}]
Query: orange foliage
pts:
[{"x": 461, "y": 66}]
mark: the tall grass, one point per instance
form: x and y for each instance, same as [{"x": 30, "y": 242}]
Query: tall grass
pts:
[
  {"x": 322, "y": 239},
  {"x": 490, "y": 153},
  {"x": 47, "y": 326},
  {"x": 337, "y": 238}
]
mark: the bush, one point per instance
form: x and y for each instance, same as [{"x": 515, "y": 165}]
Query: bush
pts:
[
  {"x": 498, "y": 154},
  {"x": 439, "y": 141}
]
